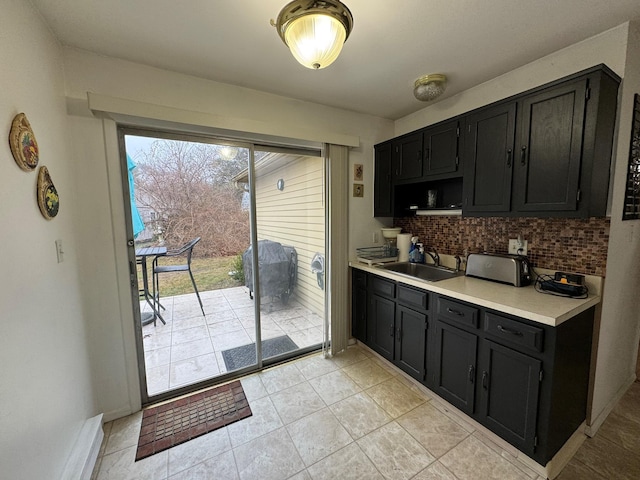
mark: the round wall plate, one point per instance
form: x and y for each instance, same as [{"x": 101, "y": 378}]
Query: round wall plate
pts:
[
  {"x": 23, "y": 143},
  {"x": 48, "y": 199}
]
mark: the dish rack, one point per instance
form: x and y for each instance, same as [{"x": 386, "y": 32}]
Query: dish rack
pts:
[{"x": 373, "y": 255}]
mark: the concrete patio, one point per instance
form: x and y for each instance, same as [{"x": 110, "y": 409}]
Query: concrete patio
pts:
[{"x": 188, "y": 348}]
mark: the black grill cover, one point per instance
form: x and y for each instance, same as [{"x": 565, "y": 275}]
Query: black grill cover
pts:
[{"x": 274, "y": 267}]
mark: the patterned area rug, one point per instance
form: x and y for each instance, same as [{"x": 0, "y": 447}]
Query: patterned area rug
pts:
[
  {"x": 176, "y": 422},
  {"x": 245, "y": 355}
]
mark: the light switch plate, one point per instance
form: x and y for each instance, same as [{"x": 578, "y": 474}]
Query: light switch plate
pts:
[{"x": 59, "y": 251}]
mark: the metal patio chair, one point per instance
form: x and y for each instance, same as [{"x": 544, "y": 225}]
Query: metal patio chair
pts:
[{"x": 186, "y": 249}]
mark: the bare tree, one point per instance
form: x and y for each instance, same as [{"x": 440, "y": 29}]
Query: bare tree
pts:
[{"x": 190, "y": 186}]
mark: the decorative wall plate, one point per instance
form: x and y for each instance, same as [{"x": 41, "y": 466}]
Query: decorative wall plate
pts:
[
  {"x": 23, "y": 143},
  {"x": 48, "y": 199}
]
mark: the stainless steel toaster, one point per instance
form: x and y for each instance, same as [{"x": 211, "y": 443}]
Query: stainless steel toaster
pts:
[{"x": 511, "y": 269}]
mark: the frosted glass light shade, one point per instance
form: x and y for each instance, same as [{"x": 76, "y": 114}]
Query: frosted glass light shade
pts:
[
  {"x": 315, "y": 40},
  {"x": 314, "y": 30},
  {"x": 429, "y": 87}
]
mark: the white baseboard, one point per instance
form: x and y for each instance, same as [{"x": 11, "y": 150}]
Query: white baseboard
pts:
[
  {"x": 116, "y": 414},
  {"x": 85, "y": 450},
  {"x": 597, "y": 422}
]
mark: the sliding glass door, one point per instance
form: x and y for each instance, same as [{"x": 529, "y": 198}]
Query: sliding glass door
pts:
[{"x": 202, "y": 212}]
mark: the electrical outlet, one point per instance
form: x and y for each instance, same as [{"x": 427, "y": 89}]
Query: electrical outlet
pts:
[
  {"x": 375, "y": 237},
  {"x": 517, "y": 246}
]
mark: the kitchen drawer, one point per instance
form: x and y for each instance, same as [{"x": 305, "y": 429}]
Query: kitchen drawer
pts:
[
  {"x": 457, "y": 312},
  {"x": 382, "y": 287},
  {"x": 413, "y": 297},
  {"x": 514, "y": 332},
  {"x": 359, "y": 278}
]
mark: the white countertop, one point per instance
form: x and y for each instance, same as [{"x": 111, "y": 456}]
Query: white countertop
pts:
[{"x": 523, "y": 302}]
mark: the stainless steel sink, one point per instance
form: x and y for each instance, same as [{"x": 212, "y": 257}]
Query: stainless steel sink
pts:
[{"x": 429, "y": 273}]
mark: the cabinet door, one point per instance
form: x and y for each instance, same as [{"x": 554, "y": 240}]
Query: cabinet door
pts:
[
  {"x": 383, "y": 188},
  {"x": 549, "y": 149},
  {"x": 510, "y": 382},
  {"x": 381, "y": 326},
  {"x": 407, "y": 157},
  {"x": 488, "y": 159},
  {"x": 411, "y": 341},
  {"x": 440, "y": 146},
  {"x": 455, "y": 365},
  {"x": 359, "y": 305}
]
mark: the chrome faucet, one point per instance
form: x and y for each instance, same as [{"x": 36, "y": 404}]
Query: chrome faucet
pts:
[
  {"x": 458, "y": 262},
  {"x": 434, "y": 256}
]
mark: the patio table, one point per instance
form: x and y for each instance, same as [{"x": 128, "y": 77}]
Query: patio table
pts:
[{"x": 141, "y": 257}]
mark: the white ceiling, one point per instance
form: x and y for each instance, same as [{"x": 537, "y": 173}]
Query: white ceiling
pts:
[{"x": 392, "y": 43}]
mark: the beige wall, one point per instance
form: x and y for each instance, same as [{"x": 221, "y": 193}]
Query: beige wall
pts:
[
  {"x": 618, "y": 48},
  {"x": 295, "y": 216},
  {"x": 620, "y": 330},
  {"x": 46, "y": 386}
]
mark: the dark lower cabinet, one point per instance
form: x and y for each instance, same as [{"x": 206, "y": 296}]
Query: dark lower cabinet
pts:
[
  {"x": 455, "y": 365},
  {"x": 381, "y": 325},
  {"x": 411, "y": 341},
  {"x": 510, "y": 384},
  {"x": 359, "y": 305},
  {"x": 525, "y": 381}
]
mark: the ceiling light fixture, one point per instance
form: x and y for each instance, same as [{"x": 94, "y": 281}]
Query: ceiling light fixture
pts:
[
  {"x": 429, "y": 87},
  {"x": 314, "y": 30}
]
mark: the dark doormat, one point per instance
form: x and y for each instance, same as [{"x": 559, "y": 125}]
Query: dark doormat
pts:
[
  {"x": 176, "y": 422},
  {"x": 245, "y": 355}
]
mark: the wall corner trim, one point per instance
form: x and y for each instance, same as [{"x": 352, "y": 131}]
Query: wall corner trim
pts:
[{"x": 85, "y": 450}]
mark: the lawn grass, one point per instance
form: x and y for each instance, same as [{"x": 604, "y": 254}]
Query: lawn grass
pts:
[{"x": 210, "y": 273}]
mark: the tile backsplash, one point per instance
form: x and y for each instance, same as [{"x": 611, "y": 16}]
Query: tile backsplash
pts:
[{"x": 567, "y": 244}]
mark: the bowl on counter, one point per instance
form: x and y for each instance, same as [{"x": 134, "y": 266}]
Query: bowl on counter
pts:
[{"x": 391, "y": 232}]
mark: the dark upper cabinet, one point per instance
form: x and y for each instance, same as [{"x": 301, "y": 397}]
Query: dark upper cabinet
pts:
[
  {"x": 407, "y": 157},
  {"x": 383, "y": 181},
  {"x": 440, "y": 146},
  {"x": 488, "y": 165},
  {"x": 545, "y": 152},
  {"x": 549, "y": 148}
]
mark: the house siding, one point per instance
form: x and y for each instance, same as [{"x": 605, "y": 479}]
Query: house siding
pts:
[{"x": 295, "y": 216}]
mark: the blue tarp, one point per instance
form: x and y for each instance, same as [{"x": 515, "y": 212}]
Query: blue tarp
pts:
[{"x": 136, "y": 219}]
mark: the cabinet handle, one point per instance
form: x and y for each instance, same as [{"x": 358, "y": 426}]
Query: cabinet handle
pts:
[
  {"x": 523, "y": 155},
  {"x": 455, "y": 312},
  {"x": 391, "y": 330},
  {"x": 399, "y": 334},
  {"x": 426, "y": 154},
  {"x": 471, "y": 371},
  {"x": 510, "y": 331},
  {"x": 485, "y": 377},
  {"x": 509, "y": 156}
]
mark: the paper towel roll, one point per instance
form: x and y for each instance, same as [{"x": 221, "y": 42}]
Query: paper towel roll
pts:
[{"x": 403, "y": 243}]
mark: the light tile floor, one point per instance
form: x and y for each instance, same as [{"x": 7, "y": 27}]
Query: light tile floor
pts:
[
  {"x": 356, "y": 417},
  {"x": 188, "y": 348}
]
